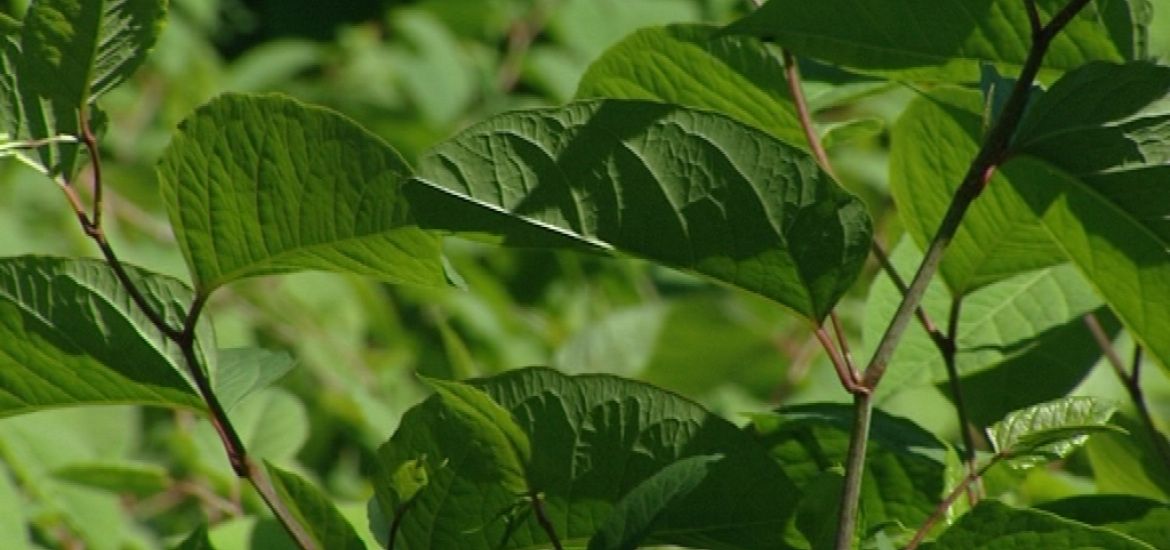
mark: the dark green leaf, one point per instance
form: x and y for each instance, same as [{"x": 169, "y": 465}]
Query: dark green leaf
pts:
[
  {"x": 243, "y": 371},
  {"x": 70, "y": 335},
  {"x": 992, "y": 525},
  {"x": 74, "y": 51},
  {"x": 314, "y": 511},
  {"x": 636, "y": 514},
  {"x": 1141, "y": 518},
  {"x": 907, "y": 469},
  {"x": 140, "y": 479},
  {"x": 1049, "y": 431},
  {"x": 1101, "y": 137},
  {"x": 694, "y": 67},
  {"x": 938, "y": 40},
  {"x": 264, "y": 184},
  {"x": 11, "y": 119},
  {"x": 932, "y": 146},
  {"x": 685, "y": 188},
  {"x": 594, "y": 439},
  {"x": 197, "y": 540}
]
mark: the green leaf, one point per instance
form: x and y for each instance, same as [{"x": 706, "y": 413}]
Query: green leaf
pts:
[
  {"x": 932, "y": 145},
  {"x": 594, "y": 439},
  {"x": 314, "y": 511},
  {"x": 635, "y": 515},
  {"x": 492, "y": 433},
  {"x": 1010, "y": 333},
  {"x": 1141, "y": 518},
  {"x": 907, "y": 469},
  {"x": 74, "y": 51},
  {"x": 140, "y": 479},
  {"x": 1100, "y": 137},
  {"x": 70, "y": 335},
  {"x": 259, "y": 185},
  {"x": 243, "y": 371},
  {"x": 1128, "y": 462},
  {"x": 197, "y": 540},
  {"x": 684, "y": 188},
  {"x": 13, "y": 531},
  {"x": 933, "y": 40},
  {"x": 272, "y": 423},
  {"x": 1049, "y": 431},
  {"x": 11, "y": 116},
  {"x": 842, "y": 133},
  {"x": 992, "y": 525},
  {"x": 694, "y": 67}
]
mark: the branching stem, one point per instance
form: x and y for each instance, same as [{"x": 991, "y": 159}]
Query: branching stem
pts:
[{"x": 542, "y": 518}]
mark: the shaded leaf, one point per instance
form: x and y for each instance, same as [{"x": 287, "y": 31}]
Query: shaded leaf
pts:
[
  {"x": 243, "y": 371},
  {"x": 1050, "y": 430},
  {"x": 684, "y": 188},
  {"x": 197, "y": 540},
  {"x": 992, "y": 525},
  {"x": 73, "y": 52},
  {"x": 694, "y": 67},
  {"x": 272, "y": 423},
  {"x": 314, "y": 511},
  {"x": 1141, "y": 518},
  {"x": 931, "y": 40},
  {"x": 70, "y": 335},
  {"x": 1128, "y": 462},
  {"x": 1101, "y": 136},
  {"x": 635, "y": 515},
  {"x": 595, "y": 438},
  {"x": 264, "y": 184}
]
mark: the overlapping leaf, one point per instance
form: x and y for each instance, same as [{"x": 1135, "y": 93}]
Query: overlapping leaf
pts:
[
  {"x": 685, "y": 188},
  {"x": 694, "y": 67},
  {"x": 1144, "y": 519},
  {"x": 939, "y": 40},
  {"x": 1101, "y": 138},
  {"x": 595, "y": 440},
  {"x": 73, "y": 336},
  {"x": 1050, "y": 430},
  {"x": 993, "y": 525},
  {"x": 72, "y": 52},
  {"x": 263, "y": 184},
  {"x": 314, "y": 510}
]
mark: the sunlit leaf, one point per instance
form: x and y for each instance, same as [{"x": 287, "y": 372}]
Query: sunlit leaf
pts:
[{"x": 1050, "y": 430}]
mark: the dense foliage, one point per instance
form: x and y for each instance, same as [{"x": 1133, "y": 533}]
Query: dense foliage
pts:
[{"x": 592, "y": 274}]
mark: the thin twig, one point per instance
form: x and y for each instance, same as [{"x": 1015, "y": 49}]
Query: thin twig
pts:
[
  {"x": 971, "y": 477},
  {"x": 936, "y": 335},
  {"x": 542, "y": 519},
  {"x": 95, "y": 161},
  {"x": 850, "y": 379},
  {"x": 994, "y": 151},
  {"x": 792, "y": 76},
  {"x": 950, "y": 354},
  {"x": 843, "y": 342}
]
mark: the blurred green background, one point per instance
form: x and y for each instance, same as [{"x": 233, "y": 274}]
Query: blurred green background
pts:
[{"x": 414, "y": 73}]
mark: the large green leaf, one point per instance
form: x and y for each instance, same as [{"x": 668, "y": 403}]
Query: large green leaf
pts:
[
  {"x": 314, "y": 510},
  {"x": 594, "y": 440},
  {"x": 907, "y": 469},
  {"x": 937, "y": 40},
  {"x": 685, "y": 188},
  {"x": 1141, "y": 518},
  {"x": 992, "y": 525},
  {"x": 1129, "y": 463},
  {"x": 264, "y": 184},
  {"x": 1102, "y": 137},
  {"x": 72, "y": 52},
  {"x": 1010, "y": 333},
  {"x": 1049, "y": 431},
  {"x": 70, "y": 335},
  {"x": 694, "y": 67},
  {"x": 932, "y": 146}
]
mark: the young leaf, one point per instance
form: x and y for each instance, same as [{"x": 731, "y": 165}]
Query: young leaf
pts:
[
  {"x": 992, "y": 525},
  {"x": 685, "y": 188},
  {"x": 636, "y": 514},
  {"x": 594, "y": 439},
  {"x": 73, "y": 52},
  {"x": 264, "y": 184},
  {"x": 314, "y": 510},
  {"x": 694, "y": 67},
  {"x": 932, "y": 145},
  {"x": 934, "y": 40},
  {"x": 1049, "y": 431},
  {"x": 1144, "y": 519},
  {"x": 243, "y": 371},
  {"x": 70, "y": 335},
  {"x": 907, "y": 471},
  {"x": 1099, "y": 136}
]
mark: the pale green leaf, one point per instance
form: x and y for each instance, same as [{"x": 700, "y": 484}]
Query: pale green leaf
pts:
[
  {"x": 137, "y": 478},
  {"x": 934, "y": 40},
  {"x": 1101, "y": 138},
  {"x": 272, "y": 423},
  {"x": 594, "y": 439},
  {"x": 688, "y": 189},
  {"x": 993, "y": 525},
  {"x": 70, "y": 335},
  {"x": 1050, "y": 430},
  {"x": 314, "y": 511},
  {"x": 694, "y": 67},
  {"x": 13, "y": 531},
  {"x": 243, "y": 371},
  {"x": 1129, "y": 462},
  {"x": 264, "y": 184},
  {"x": 74, "y": 51}
]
